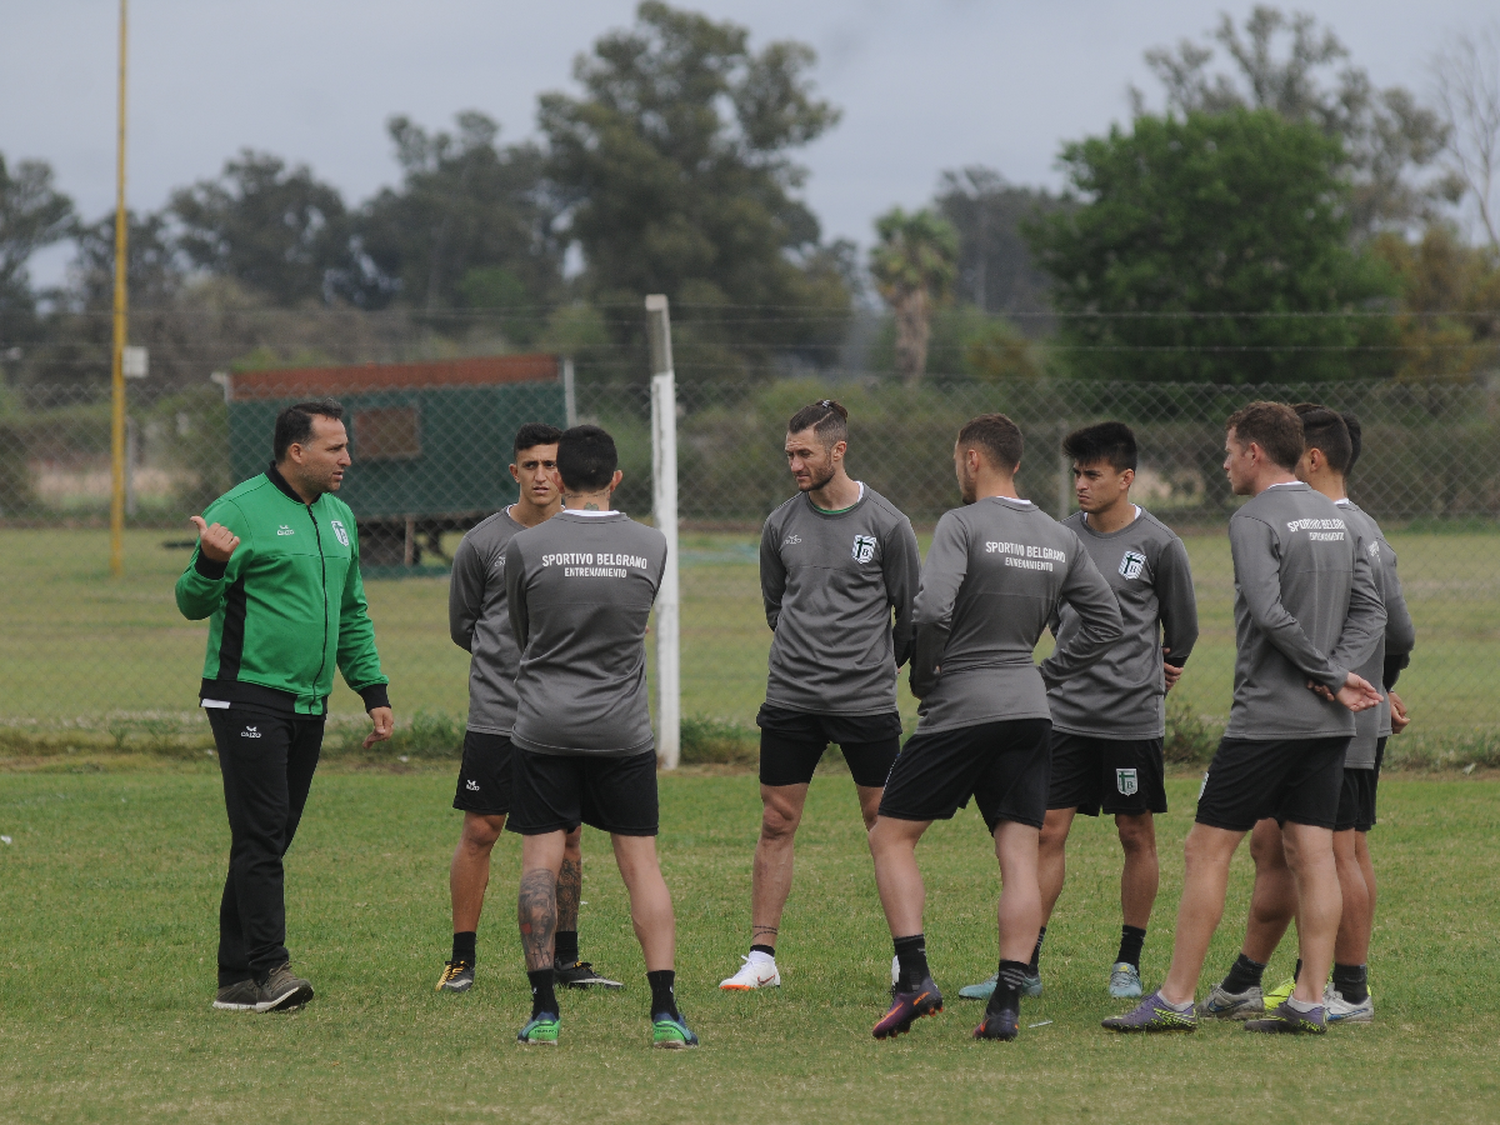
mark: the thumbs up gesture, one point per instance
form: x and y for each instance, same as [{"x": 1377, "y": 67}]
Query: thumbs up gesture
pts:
[{"x": 216, "y": 542}]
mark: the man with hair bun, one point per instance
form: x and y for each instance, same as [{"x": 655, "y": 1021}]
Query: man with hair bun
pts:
[
  {"x": 1333, "y": 447},
  {"x": 479, "y": 622},
  {"x": 1109, "y": 722},
  {"x": 1306, "y": 614},
  {"x": 836, "y": 561},
  {"x": 996, "y": 573}
]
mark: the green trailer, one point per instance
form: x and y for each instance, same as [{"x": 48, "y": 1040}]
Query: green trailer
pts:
[{"x": 431, "y": 441}]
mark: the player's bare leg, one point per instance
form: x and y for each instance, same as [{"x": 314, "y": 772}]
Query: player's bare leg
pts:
[
  {"x": 650, "y": 902},
  {"x": 1309, "y": 854},
  {"x": 1141, "y": 875},
  {"x": 1273, "y": 901},
  {"x": 1358, "y": 921},
  {"x": 1052, "y": 864},
  {"x": 536, "y": 916},
  {"x": 771, "y": 876},
  {"x": 1019, "y": 913},
  {"x": 469, "y": 873},
  {"x": 1205, "y": 882}
]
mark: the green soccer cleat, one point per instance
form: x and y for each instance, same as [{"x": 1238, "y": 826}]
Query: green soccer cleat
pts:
[
  {"x": 1280, "y": 994},
  {"x": 541, "y": 1030},
  {"x": 671, "y": 1032},
  {"x": 1031, "y": 985}
]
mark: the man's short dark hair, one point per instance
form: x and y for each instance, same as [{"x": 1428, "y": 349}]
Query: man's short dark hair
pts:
[
  {"x": 1274, "y": 426},
  {"x": 1112, "y": 443},
  {"x": 1356, "y": 439},
  {"x": 586, "y": 459},
  {"x": 997, "y": 437},
  {"x": 533, "y": 434},
  {"x": 294, "y": 425},
  {"x": 1326, "y": 430},
  {"x": 826, "y": 418}
]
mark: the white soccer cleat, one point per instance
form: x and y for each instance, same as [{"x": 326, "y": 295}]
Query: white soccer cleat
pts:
[
  {"x": 758, "y": 971},
  {"x": 1339, "y": 1010}
]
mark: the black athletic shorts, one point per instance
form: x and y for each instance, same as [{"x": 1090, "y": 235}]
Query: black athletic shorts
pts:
[
  {"x": 1357, "y": 798},
  {"x": 1004, "y": 766},
  {"x": 484, "y": 776},
  {"x": 792, "y": 742},
  {"x": 1296, "y": 779},
  {"x": 555, "y": 793},
  {"x": 1114, "y": 774}
]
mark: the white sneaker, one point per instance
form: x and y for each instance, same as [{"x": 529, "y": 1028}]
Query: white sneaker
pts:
[
  {"x": 758, "y": 971},
  {"x": 1339, "y": 1010}
]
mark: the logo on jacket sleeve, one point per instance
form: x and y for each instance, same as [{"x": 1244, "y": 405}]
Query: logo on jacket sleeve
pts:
[
  {"x": 1130, "y": 567},
  {"x": 339, "y": 532},
  {"x": 864, "y": 548}
]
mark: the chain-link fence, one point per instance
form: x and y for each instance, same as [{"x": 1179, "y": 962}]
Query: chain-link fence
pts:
[{"x": 80, "y": 651}]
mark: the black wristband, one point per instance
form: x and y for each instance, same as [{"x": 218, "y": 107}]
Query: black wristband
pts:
[
  {"x": 376, "y": 695},
  {"x": 208, "y": 567}
]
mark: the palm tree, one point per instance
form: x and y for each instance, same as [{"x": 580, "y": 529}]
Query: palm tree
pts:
[{"x": 914, "y": 265}]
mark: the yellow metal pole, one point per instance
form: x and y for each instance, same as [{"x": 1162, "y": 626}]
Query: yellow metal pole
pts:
[{"x": 117, "y": 370}]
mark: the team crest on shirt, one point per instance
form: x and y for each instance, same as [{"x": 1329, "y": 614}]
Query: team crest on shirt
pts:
[
  {"x": 864, "y": 548},
  {"x": 1130, "y": 567},
  {"x": 1126, "y": 782},
  {"x": 339, "y": 532}
]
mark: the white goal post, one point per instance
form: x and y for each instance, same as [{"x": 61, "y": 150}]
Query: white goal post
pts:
[{"x": 664, "y": 496}]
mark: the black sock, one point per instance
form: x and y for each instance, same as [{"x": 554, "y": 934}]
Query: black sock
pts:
[
  {"x": 565, "y": 949},
  {"x": 1245, "y": 975},
  {"x": 663, "y": 996},
  {"x": 1352, "y": 981},
  {"x": 543, "y": 997},
  {"x": 1036, "y": 954},
  {"x": 911, "y": 953},
  {"x": 464, "y": 945},
  {"x": 768, "y": 950},
  {"x": 1008, "y": 980},
  {"x": 1132, "y": 938}
]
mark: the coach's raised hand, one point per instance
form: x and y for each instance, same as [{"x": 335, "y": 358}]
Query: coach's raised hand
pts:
[{"x": 216, "y": 542}]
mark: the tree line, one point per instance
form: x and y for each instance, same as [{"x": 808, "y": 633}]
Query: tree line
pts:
[{"x": 1271, "y": 215}]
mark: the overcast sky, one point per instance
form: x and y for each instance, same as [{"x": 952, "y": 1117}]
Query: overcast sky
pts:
[{"x": 925, "y": 85}]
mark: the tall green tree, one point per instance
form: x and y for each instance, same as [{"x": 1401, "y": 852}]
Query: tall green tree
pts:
[
  {"x": 1211, "y": 249},
  {"x": 675, "y": 170},
  {"x": 469, "y": 227},
  {"x": 33, "y": 214},
  {"x": 1288, "y": 64},
  {"x": 275, "y": 229},
  {"x": 914, "y": 263}
]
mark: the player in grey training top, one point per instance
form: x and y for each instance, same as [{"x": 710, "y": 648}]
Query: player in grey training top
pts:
[
  {"x": 1306, "y": 613},
  {"x": 580, "y": 589},
  {"x": 995, "y": 574},
  {"x": 479, "y": 623},
  {"x": 1108, "y": 723},
  {"x": 835, "y": 561},
  {"x": 1332, "y": 448}
]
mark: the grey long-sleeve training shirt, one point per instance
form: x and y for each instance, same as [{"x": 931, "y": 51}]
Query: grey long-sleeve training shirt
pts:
[
  {"x": 1122, "y": 696},
  {"x": 580, "y": 589},
  {"x": 994, "y": 576},
  {"x": 1305, "y": 608},
  {"x": 1399, "y": 638},
  {"x": 479, "y": 623},
  {"x": 830, "y": 581}
]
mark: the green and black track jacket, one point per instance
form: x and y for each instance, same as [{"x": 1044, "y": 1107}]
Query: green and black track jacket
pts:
[{"x": 287, "y": 606}]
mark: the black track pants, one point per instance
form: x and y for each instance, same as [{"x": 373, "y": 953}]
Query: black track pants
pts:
[{"x": 267, "y": 762}]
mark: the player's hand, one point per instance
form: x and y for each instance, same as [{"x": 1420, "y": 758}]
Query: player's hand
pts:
[
  {"x": 1171, "y": 672},
  {"x": 1357, "y": 694},
  {"x": 1400, "y": 720},
  {"x": 216, "y": 542},
  {"x": 385, "y": 724}
]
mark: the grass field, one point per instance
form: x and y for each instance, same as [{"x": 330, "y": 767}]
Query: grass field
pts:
[
  {"x": 108, "y": 895},
  {"x": 76, "y": 644}
]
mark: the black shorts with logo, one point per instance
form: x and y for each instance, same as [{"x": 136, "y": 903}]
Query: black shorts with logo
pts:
[
  {"x": 1117, "y": 775},
  {"x": 1293, "y": 779},
  {"x": 792, "y": 743},
  {"x": 484, "y": 777},
  {"x": 1357, "y": 798},
  {"x": 556, "y": 792},
  {"x": 1004, "y": 766}
]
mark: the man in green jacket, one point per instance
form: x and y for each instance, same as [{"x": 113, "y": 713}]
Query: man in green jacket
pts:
[{"x": 277, "y": 572}]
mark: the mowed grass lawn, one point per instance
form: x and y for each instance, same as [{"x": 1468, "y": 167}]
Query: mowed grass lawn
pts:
[
  {"x": 75, "y": 642},
  {"x": 108, "y": 895}
]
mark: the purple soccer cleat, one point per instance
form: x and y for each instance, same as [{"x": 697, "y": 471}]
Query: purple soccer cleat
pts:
[
  {"x": 926, "y": 1000},
  {"x": 1154, "y": 1014}
]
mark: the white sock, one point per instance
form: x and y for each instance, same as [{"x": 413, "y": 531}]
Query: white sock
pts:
[
  {"x": 1175, "y": 1007},
  {"x": 1300, "y": 1006}
]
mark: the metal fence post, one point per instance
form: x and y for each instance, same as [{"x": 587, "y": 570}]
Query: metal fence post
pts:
[
  {"x": 664, "y": 494},
  {"x": 1064, "y": 475}
]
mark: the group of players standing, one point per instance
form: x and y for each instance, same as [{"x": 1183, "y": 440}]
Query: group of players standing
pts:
[{"x": 554, "y": 610}]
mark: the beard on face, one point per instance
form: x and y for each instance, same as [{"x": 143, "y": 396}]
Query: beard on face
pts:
[{"x": 815, "y": 481}]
